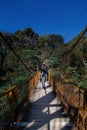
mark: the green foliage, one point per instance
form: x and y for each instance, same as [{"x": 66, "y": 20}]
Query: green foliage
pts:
[
  {"x": 51, "y": 49},
  {"x": 21, "y": 89},
  {"x": 56, "y": 75},
  {"x": 3, "y": 53},
  {"x": 15, "y": 71},
  {"x": 83, "y": 83},
  {"x": 52, "y": 62},
  {"x": 4, "y": 108},
  {"x": 28, "y": 32},
  {"x": 33, "y": 49}
]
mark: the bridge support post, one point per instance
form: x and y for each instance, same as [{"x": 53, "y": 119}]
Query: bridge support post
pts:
[{"x": 11, "y": 116}]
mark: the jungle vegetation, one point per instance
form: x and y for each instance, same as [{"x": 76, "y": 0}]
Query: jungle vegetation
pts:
[{"x": 34, "y": 49}]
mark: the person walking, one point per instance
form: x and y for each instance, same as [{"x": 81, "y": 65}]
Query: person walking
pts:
[{"x": 43, "y": 75}]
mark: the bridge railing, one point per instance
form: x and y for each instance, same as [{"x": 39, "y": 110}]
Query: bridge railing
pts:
[
  {"x": 11, "y": 99},
  {"x": 68, "y": 92},
  {"x": 74, "y": 99}
]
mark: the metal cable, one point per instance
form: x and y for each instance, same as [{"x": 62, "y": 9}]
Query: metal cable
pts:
[
  {"x": 75, "y": 24},
  {"x": 80, "y": 36},
  {"x": 18, "y": 57}
]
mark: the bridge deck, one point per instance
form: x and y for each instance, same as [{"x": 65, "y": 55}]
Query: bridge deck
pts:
[{"x": 45, "y": 112}]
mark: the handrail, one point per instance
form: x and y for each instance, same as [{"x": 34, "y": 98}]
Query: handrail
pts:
[
  {"x": 65, "y": 91},
  {"x": 74, "y": 102},
  {"x": 12, "y": 88},
  {"x": 7, "y": 91},
  {"x": 12, "y": 98}
]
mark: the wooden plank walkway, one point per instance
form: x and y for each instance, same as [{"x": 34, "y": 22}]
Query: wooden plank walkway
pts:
[{"x": 45, "y": 112}]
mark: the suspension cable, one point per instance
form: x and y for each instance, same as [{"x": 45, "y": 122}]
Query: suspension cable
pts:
[
  {"x": 18, "y": 57},
  {"x": 80, "y": 36},
  {"x": 75, "y": 24}
]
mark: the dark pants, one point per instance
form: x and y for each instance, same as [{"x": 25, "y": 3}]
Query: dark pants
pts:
[{"x": 43, "y": 81}]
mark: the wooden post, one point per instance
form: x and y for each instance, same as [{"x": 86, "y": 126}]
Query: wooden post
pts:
[{"x": 11, "y": 102}]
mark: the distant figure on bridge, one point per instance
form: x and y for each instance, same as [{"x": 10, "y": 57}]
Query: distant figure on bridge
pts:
[{"x": 43, "y": 75}]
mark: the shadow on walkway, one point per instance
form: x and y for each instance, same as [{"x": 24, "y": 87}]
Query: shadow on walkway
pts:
[{"x": 45, "y": 112}]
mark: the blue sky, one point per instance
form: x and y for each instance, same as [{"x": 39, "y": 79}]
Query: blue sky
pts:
[{"x": 63, "y": 17}]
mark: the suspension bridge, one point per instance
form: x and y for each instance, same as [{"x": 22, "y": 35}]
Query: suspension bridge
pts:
[
  {"x": 41, "y": 110},
  {"x": 28, "y": 106}
]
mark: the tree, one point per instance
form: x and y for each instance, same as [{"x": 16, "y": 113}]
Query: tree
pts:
[
  {"x": 3, "y": 53},
  {"x": 28, "y": 32}
]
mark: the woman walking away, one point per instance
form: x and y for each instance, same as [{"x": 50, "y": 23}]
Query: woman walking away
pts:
[{"x": 43, "y": 75}]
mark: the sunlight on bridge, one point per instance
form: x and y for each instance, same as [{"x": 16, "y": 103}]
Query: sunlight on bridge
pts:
[{"x": 45, "y": 112}]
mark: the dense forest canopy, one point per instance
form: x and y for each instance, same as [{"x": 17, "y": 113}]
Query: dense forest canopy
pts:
[{"x": 34, "y": 49}]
